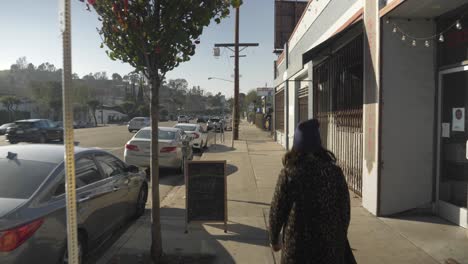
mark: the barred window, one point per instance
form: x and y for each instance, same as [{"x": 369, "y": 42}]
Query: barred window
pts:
[{"x": 279, "y": 110}]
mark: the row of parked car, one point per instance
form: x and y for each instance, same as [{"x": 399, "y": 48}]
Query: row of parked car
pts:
[
  {"x": 176, "y": 144},
  {"x": 109, "y": 190}
]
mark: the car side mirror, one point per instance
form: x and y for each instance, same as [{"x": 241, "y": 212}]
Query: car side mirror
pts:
[{"x": 132, "y": 169}]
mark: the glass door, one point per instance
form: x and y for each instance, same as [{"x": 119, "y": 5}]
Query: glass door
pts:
[{"x": 453, "y": 141}]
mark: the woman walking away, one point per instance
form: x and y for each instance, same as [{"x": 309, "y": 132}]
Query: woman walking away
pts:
[{"x": 311, "y": 204}]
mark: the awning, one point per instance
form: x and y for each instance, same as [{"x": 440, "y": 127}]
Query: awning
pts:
[{"x": 353, "y": 27}]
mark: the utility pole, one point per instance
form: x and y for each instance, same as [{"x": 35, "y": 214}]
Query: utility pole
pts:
[
  {"x": 235, "y": 130},
  {"x": 236, "y": 45}
]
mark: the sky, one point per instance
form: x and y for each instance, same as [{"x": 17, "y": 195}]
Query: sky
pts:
[{"x": 30, "y": 28}]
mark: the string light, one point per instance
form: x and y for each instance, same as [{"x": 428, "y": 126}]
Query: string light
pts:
[
  {"x": 441, "y": 38},
  {"x": 457, "y": 24}
]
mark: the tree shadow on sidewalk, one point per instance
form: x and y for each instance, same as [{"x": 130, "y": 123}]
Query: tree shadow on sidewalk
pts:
[{"x": 215, "y": 148}]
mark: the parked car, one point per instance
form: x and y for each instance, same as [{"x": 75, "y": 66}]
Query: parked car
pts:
[
  {"x": 215, "y": 123},
  {"x": 4, "y": 127},
  {"x": 198, "y": 134},
  {"x": 175, "y": 147},
  {"x": 33, "y": 226},
  {"x": 183, "y": 119},
  {"x": 34, "y": 130},
  {"x": 202, "y": 119},
  {"x": 138, "y": 123}
]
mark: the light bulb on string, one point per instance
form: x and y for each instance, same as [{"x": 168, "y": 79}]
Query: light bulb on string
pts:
[
  {"x": 427, "y": 44},
  {"x": 387, "y": 21},
  {"x": 441, "y": 38},
  {"x": 394, "y": 30},
  {"x": 413, "y": 43},
  {"x": 458, "y": 25},
  {"x": 403, "y": 37}
]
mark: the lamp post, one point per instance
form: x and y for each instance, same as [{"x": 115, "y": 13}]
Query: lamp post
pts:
[
  {"x": 221, "y": 79},
  {"x": 233, "y": 109}
]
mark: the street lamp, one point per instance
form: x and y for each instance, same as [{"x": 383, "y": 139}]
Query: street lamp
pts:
[
  {"x": 216, "y": 78},
  {"x": 221, "y": 79}
]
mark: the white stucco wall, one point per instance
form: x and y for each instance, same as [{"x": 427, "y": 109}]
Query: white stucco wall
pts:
[
  {"x": 408, "y": 94},
  {"x": 292, "y": 112},
  {"x": 281, "y": 138}
]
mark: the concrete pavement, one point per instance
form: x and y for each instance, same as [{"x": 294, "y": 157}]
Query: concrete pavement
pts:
[{"x": 253, "y": 167}]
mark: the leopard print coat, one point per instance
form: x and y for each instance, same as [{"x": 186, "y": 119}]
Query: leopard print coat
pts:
[{"x": 311, "y": 205}]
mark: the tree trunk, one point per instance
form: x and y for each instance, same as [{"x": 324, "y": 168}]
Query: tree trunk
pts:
[
  {"x": 94, "y": 116},
  {"x": 156, "y": 243}
]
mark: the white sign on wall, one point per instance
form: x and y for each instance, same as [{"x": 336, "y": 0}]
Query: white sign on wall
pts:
[
  {"x": 265, "y": 91},
  {"x": 458, "y": 119}
]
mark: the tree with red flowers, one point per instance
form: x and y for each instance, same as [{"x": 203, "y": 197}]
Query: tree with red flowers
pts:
[{"x": 155, "y": 36}]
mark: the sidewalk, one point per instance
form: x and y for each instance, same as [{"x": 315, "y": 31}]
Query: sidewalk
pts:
[{"x": 253, "y": 168}]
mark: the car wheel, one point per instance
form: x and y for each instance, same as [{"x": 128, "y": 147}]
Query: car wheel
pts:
[
  {"x": 141, "y": 201},
  {"x": 42, "y": 139},
  {"x": 13, "y": 142},
  {"x": 81, "y": 251}
]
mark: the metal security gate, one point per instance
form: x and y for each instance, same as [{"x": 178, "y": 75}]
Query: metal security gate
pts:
[
  {"x": 279, "y": 110},
  {"x": 338, "y": 90},
  {"x": 303, "y": 102}
]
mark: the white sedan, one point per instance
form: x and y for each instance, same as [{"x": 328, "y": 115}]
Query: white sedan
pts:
[
  {"x": 175, "y": 147},
  {"x": 198, "y": 134}
]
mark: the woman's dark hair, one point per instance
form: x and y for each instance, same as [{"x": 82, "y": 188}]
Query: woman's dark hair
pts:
[{"x": 323, "y": 153}]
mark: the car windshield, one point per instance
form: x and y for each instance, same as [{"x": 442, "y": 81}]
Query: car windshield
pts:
[
  {"x": 214, "y": 120},
  {"x": 138, "y": 119},
  {"x": 19, "y": 179},
  {"x": 25, "y": 125},
  {"x": 187, "y": 128},
  {"x": 163, "y": 134}
]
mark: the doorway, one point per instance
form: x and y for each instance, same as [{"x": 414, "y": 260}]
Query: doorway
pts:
[{"x": 452, "y": 169}]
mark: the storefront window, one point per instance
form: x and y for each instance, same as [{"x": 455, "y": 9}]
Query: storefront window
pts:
[{"x": 454, "y": 136}]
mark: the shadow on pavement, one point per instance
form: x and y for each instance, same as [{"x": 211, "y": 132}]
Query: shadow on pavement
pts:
[
  {"x": 231, "y": 169},
  {"x": 258, "y": 203},
  {"x": 95, "y": 254},
  {"x": 208, "y": 239},
  {"x": 219, "y": 149}
]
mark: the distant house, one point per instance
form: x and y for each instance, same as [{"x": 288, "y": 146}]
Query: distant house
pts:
[{"x": 106, "y": 116}]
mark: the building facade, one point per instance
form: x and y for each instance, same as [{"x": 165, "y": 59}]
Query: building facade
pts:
[{"x": 388, "y": 82}]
